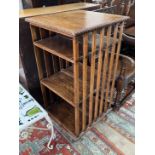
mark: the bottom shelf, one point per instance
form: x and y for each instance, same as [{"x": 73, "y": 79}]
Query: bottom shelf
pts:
[{"x": 63, "y": 113}]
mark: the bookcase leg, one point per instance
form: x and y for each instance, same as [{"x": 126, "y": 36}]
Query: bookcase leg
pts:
[
  {"x": 76, "y": 84},
  {"x": 84, "y": 80},
  {"x": 37, "y": 54}
]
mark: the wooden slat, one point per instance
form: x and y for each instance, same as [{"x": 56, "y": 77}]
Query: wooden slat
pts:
[
  {"x": 85, "y": 59},
  {"x": 45, "y": 34},
  {"x": 67, "y": 64},
  {"x": 116, "y": 62},
  {"x": 52, "y": 61},
  {"x": 110, "y": 70},
  {"x": 99, "y": 73},
  {"x": 39, "y": 63},
  {"x": 56, "y": 63},
  {"x": 51, "y": 33},
  {"x": 76, "y": 84},
  {"x": 92, "y": 76},
  {"x": 104, "y": 70},
  {"x": 60, "y": 63}
]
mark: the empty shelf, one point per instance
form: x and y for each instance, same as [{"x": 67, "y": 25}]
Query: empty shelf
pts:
[{"x": 58, "y": 46}]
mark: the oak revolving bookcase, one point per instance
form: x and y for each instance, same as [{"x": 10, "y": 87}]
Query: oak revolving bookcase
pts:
[{"x": 85, "y": 91}]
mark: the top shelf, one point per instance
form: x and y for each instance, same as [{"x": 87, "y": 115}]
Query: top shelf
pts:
[{"x": 58, "y": 46}]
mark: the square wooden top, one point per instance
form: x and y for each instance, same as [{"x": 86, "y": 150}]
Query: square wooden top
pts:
[
  {"x": 55, "y": 9},
  {"x": 74, "y": 23}
]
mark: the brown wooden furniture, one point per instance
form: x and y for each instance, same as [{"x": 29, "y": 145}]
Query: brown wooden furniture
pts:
[
  {"x": 85, "y": 92},
  {"x": 56, "y": 9},
  {"x": 130, "y": 31},
  {"x": 126, "y": 7},
  {"x": 126, "y": 65},
  {"x": 126, "y": 72},
  {"x": 110, "y": 9},
  {"x": 40, "y": 3},
  {"x": 123, "y": 6},
  {"x": 26, "y": 46}
]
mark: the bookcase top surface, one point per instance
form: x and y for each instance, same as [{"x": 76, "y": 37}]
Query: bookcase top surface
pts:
[
  {"x": 24, "y": 13},
  {"x": 74, "y": 23}
]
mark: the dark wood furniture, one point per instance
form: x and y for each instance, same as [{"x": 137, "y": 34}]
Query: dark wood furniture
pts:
[
  {"x": 56, "y": 9},
  {"x": 130, "y": 31},
  {"x": 123, "y": 6},
  {"x": 85, "y": 92},
  {"x": 40, "y": 3},
  {"x": 126, "y": 72},
  {"x": 126, "y": 7},
  {"x": 110, "y": 9},
  {"x": 26, "y": 47}
]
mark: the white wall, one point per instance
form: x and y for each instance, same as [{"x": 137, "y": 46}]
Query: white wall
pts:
[{"x": 20, "y": 5}]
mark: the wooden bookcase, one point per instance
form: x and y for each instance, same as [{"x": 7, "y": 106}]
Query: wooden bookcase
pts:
[
  {"x": 26, "y": 46},
  {"x": 84, "y": 91}
]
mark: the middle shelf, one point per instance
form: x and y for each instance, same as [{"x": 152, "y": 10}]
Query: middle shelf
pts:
[{"x": 62, "y": 83}]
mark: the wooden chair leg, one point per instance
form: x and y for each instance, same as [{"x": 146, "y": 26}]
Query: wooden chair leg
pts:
[{"x": 119, "y": 89}]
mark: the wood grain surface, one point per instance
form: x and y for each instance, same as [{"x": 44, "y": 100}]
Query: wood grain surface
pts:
[
  {"x": 75, "y": 22},
  {"x": 55, "y": 9}
]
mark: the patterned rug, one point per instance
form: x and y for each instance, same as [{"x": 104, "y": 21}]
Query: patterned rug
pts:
[{"x": 113, "y": 136}]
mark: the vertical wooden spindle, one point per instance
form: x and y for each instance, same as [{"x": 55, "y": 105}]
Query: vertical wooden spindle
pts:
[
  {"x": 99, "y": 72},
  {"x": 127, "y": 9},
  {"x": 92, "y": 76},
  {"x": 56, "y": 63},
  {"x": 60, "y": 63},
  {"x": 85, "y": 59},
  {"x": 116, "y": 61},
  {"x": 45, "y": 34},
  {"x": 67, "y": 64},
  {"x": 104, "y": 72},
  {"x": 76, "y": 84},
  {"x": 110, "y": 70},
  {"x": 122, "y": 7}
]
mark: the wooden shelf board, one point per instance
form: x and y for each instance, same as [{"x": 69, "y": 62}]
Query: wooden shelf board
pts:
[
  {"x": 59, "y": 46},
  {"x": 61, "y": 84},
  {"x": 64, "y": 115},
  {"x": 69, "y": 71}
]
